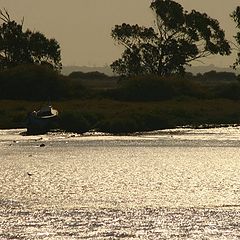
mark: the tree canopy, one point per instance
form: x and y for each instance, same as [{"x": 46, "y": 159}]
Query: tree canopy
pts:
[
  {"x": 236, "y": 17},
  {"x": 25, "y": 47},
  {"x": 178, "y": 38}
]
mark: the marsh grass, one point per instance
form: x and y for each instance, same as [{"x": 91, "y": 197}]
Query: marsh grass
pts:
[{"x": 124, "y": 117}]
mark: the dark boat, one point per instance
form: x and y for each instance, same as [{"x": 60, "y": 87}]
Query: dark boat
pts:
[{"x": 42, "y": 121}]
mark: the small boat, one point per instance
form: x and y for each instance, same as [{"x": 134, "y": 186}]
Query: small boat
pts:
[{"x": 42, "y": 121}]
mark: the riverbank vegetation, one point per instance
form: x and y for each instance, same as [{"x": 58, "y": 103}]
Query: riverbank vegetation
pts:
[
  {"x": 117, "y": 105},
  {"x": 151, "y": 91},
  {"x": 126, "y": 117}
]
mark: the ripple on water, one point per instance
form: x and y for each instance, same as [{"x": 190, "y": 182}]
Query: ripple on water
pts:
[
  {"x": 175, "y": 184},
  {"x": 164, "y": 223}
]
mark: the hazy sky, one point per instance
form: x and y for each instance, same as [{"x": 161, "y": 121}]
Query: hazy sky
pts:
[{"x": 83, "y": 27}]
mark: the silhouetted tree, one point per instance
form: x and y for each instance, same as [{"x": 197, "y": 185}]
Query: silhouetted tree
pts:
[
  {"x": 24, "y": 47},
  {"x": 177, "y": 39},
  {"x": 236, "y": 17}
]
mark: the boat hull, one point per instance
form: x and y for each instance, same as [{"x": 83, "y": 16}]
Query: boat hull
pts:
[{"x": 36, "y": 125}]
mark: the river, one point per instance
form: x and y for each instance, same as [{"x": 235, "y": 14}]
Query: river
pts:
[{"x": 171, "y": 184}]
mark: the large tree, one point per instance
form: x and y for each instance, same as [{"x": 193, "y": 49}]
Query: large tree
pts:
[
  {"x": 236, "y": 17},
  {"x": 178, "y": 38},
  {"x": 25, "y": 47}
]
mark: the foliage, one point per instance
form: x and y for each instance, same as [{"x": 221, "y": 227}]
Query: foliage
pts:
[
  {"x": 216, "y": 76},
  {"x": 154, "y": 88},
  {"x": 29, "y": 82},
  {"x": 177, "y": 39},
  {"x": 25, "y": 47},
  {"x": 228, "y": 91},
  {"x": 236, "y": 17},
  {"x": 88, "y": 75},
  {"x": 74, "y": 122},
  {"x": 37, "y": 82}
]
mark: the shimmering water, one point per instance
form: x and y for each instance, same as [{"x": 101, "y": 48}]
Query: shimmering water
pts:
[{"x": 172, "y": 184}]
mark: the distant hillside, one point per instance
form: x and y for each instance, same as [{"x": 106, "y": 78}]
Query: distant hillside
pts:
[{"x": 66, "y": 70}]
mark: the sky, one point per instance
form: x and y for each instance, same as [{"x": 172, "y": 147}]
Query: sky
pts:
[{"x": 83, "y": 27}]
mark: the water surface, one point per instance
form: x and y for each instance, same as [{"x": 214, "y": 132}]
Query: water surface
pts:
[{"x": 171, "y": 184}]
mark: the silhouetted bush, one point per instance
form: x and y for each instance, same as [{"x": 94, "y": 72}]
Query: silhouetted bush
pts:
[
  {"x": 229, "y": 91},
  {"x": 154, "y": 120},
  {"x": 34, "y": 82},
  {"x": 216, "y": 76},
  {"x": 118, "y": 125},
  {"x": 88, "y": 75},
  {"x": 74, "y": 122},
  {"x": 152, "y": 88},
  {"x": 75, "y": 89},
  {"x": 135, "y": 121}
]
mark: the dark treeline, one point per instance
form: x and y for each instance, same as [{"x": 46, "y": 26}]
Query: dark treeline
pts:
[
  {"x": 39, "y": 82},
  {"x": 88, "y": 75},
  {"x": 213, "y": 76},
  {"x": 152, "y": 88}
]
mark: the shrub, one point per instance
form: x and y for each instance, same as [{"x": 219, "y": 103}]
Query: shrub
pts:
[
  {"x": 153, "y": 88},
  {"x": 88, "y": 75},
  {"x": 229, "y": 91},
  {"x": 35, "y": 82},
  {"x": 118, "y": 125},
  {"x": 74, "y": 122}
]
